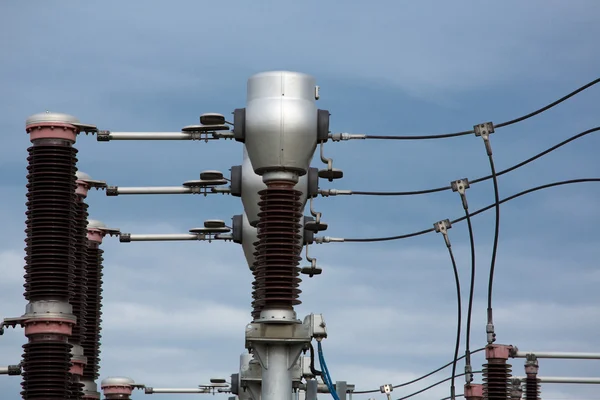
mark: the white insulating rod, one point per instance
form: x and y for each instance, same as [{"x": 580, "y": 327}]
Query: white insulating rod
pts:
[
  {"x": 559, "y": 354},
  {"x": 156, "y": 190},
  {"x": 565, "y": 379}
]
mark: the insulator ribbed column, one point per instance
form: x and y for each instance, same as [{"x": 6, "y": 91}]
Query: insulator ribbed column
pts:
[
  {"x": 532, "y": 382},
  {"x": 496, "y": 373},
  {"x": 50, "y": 256},
  {"x": 91, "y": 343},
  {"x": 276, "y": 269}
]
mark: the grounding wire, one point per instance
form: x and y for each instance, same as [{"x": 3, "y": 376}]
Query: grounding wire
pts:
[
  {"x": 427, "y": 375},
  {"x": 432, "y": 386},
  {"x": 500, "y": 125},
  {"x": 485, "y": 178},
  {"x": 514, "y": 196}
]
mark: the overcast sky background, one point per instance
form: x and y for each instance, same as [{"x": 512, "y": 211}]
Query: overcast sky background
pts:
[{"x": 174, "y": 313}]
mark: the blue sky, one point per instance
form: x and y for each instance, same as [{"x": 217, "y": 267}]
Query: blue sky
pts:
[{"x": 174, "y": 313}]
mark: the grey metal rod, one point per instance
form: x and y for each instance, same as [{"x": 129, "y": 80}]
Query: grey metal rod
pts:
[
  {"x": 149, "y": 136},
  {"x": 156, "y": 190},
  {"x": 175, "y": 390},
  {"x": 561, "y": 379},
  {"x": 3, "y": 370},
  {"x": 159, "y": 237},
  {"x": 558, "y": 354}
]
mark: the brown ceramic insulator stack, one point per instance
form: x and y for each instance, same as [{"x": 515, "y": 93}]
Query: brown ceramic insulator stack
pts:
[
  {"x": 50, "y": 262},
  {"x": 276, "y": 269},
  {"x": 496, "y": 379},
  {"x": 45, "y": 367},
  {"x": 51, "y": 230},
  {"x": 80, "y": 289},
  {"x": 532, "y": 387},
  {"x": 91, "y": 342}
]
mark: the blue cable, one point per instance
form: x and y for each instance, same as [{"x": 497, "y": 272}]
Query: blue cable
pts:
[{"x": 326, "y": 376}]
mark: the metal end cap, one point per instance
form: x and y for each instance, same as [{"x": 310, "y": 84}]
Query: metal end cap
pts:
[
  {"x": 48, "y": 116},
  {"x": 96, "y": 224},
  {"x": 117, "y": 381},
  {"x": 82, "y": 176}
]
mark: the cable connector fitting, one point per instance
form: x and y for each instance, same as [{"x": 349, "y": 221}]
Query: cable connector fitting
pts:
[
  {"x": 103, "y": 136},
  {"x": 336, "y": 137},
  {"x": 387, "y": 390},
  {"x": 468, "y": 374},
  {"x": 531, "y": 364},
  {"x": 328, "y": 239},
  {"x": 460, "y": 186},
  {"x": 334, "y": 192},
  {"x": 442, "y": 227},
  {"x": 485, "y": 130},
  {"x": 491, "y": 334}
]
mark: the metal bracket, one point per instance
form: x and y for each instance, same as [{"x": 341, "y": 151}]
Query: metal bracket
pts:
[
  {"x": 442, "y": 227},
  {"x": 485, "y": 130},
  {"x": 460, "y": 186}
]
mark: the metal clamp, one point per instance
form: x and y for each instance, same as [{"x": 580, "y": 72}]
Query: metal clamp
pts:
[
  {"x": 442, "y": 227},
  {"x": 485, "y": 130},
  {"x": 460, "y": 186}
]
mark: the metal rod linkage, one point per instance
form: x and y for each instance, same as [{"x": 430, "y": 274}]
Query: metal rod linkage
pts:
[
  {"x": 558, "y": 354},
  {"x": 150, "y": 390},
  {"x": 561, "y": 379},
  {"x": 144, "y": 136},
  {"x": 119, "y": 190},
  {"x": 159, "y": 237}
]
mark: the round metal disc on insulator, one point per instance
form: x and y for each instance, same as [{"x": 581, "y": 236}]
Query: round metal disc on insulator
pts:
[
  {"x": 311, "y": 271},
  {"x": 204, "y": 183},
  {"x": 218, "y": 380},
  {"x": 212, "y": 119},
  {"x": 331, "y": 174},
  {"x": 313, "y": 226},
  {"x": 211, "y": 175},
  {"x": 204, "y": 128},
  {"x": 209, "y": 230},
  {"x": 214, "y": 223}
]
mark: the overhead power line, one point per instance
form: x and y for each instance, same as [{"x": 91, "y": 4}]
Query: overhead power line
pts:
[
  {"x": 500, "y": 125},
  {"x": 485, "y": 178},
  {"x": 423, "y": 232},
  {"x": 427, "y": 375}
]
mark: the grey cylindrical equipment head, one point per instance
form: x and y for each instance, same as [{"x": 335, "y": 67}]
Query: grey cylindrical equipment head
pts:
[
  {"x": 281, "y": 121},
  {"x": 252, "y": 183}
]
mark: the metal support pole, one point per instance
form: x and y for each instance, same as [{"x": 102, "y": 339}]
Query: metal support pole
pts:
[
  {"x": 561, "y": 379},
  {"x": 175, "y": 390},
  {"x": 159, "y": 237},
  {"x": 558, "y": 354},
  {"x": 119, "y": 190},
  {"x": 311, "y": 389}
]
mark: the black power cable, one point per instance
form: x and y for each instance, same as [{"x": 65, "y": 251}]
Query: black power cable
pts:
[
  {"x": 427, "y": 375},
  {"x": 485, "y": 178},
  {"x": 514, "y": 196},
  {"x": 490, "y": 319},
  {"x": 432, "y": 386},
  {"x": 471, "y": 295},
  {"x": 500, "y": 125},
  {"x": 458, "y": 323}
]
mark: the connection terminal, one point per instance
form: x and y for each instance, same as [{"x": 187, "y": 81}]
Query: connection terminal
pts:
[
  {"x": 387, "y": 389},
  {"x": 442, "y": 227},
  {"x": 485, "y": 130},
  {"x": 460, "y": 186},
  {"x": 318, "y": 327}
]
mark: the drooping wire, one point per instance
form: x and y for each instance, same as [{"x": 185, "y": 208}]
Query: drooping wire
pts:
[
  {"x": 427, "y": 375},
  {"x": 471, "y": 295},
  {"x": 458, "y": 322},
  {"x": 432, "y": 386},
  {"x": 500, "y": 125},
  {"x": 482, "y": 179},
  {"x": 490, "y": 319},
  {"x": 481, "y": 210}
]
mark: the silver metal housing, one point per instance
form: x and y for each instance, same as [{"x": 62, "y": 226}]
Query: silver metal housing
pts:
[
  {"x": 51, "y": 117},
  {"x": 281, "y": 121},
  {"x": 252, "y": 183},
  {"x": 117, "y": 381}
]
